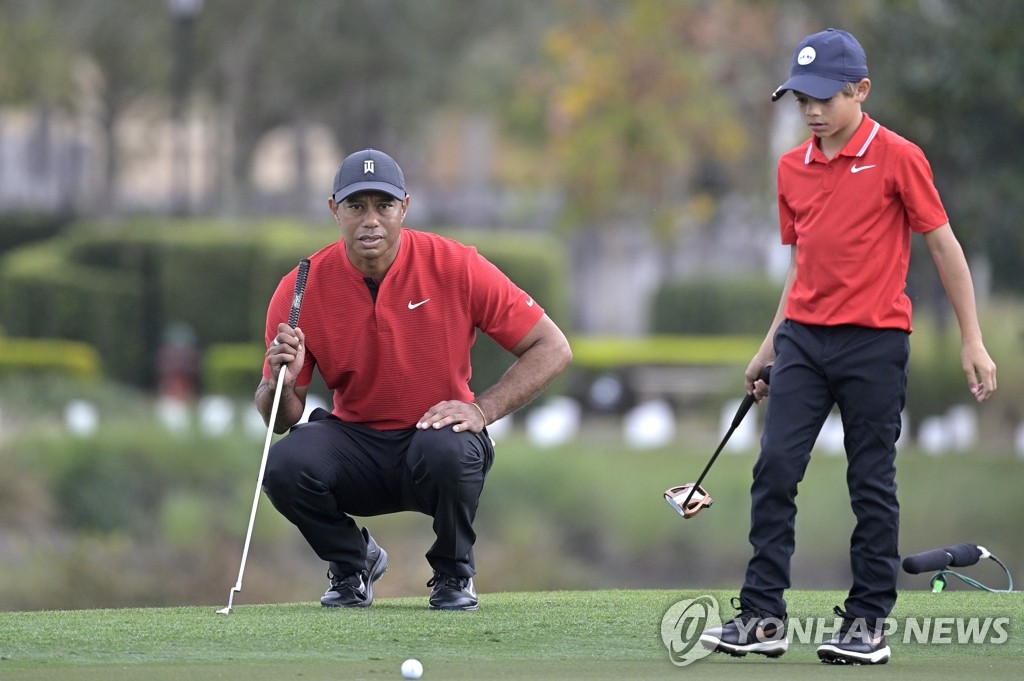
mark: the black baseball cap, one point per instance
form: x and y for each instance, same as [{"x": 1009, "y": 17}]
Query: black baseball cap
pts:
[
  {"x": 824, "y": 63},
  {"x": 368, "y": 171}
]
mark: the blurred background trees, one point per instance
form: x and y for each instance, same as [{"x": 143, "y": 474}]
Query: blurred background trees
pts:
[
  {"x": 647, "y": 118},
  {"x": 653, "y": 106}
]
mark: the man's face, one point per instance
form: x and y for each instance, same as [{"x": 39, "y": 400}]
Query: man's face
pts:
[{"x": 371, "y": 223}]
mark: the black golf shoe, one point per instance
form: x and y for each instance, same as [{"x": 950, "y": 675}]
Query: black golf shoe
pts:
[
  {"x": 452, "y": 593},
  {"x": 855, "y": 643},
  {"x": 751, "y": 631},
  {"x": 356, "y": 590}
]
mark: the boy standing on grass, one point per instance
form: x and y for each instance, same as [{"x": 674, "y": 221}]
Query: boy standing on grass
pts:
[{"x": 849, "y": 199}]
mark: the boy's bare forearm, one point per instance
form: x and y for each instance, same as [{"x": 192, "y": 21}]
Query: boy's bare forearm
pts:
[{"x": 955, "y": 274}]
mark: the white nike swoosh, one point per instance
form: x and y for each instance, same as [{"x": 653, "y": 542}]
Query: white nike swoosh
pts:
[
  {"x": 413, "y": 306},
  {"x": 529, "y": 303},
  {"x": 855, "y": 169}
]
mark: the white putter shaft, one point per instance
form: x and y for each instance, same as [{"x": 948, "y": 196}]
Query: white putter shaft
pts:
[{"x": 259, "y": 488}]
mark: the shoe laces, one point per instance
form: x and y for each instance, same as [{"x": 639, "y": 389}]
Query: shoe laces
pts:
[
  {"x": 750, "y": 611},
  {"x": 859, "y": 625},
  {"x": 353, "y": 582},
  {"x": 448, "y": 581}
]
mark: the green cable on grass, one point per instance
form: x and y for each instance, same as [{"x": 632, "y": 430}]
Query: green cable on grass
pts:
[{"x": 939, "y": 580}]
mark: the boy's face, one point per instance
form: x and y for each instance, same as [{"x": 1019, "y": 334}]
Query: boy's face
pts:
[{"x": 835, "y": 118}]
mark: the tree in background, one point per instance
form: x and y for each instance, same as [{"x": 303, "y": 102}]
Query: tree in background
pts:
[
  {"x": 127, "y": 45},
  {"x": 372, "y": 72},
  {"x": 649, "y": 103},
  {"x": 34, "y": 69},
  {"x": 649, "y": 109},
  {"x": 949, "y": 75}
]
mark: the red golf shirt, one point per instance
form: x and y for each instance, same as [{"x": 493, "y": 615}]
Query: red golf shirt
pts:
[
  {"x": 851, "y": 218},
  {"x": 388, "y": 361}
]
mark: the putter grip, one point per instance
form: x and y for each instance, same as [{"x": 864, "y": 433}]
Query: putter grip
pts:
[
  {"x": 748, "y": 400},
  {"x": 300, "y": 289}
]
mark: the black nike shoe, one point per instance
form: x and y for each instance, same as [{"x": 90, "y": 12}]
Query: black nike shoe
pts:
[
  {"x": 452, "y": 593},
  {"x": 752, "y": 631},
  {"x": 356, "y": 590},
  {"x": 856, "y": 642}
]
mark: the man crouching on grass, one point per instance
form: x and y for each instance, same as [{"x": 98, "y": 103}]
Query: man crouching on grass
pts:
[{"x": 388, "y": 318}]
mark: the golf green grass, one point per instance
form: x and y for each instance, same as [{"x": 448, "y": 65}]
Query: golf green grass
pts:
[{"x": 609, "y": 634}]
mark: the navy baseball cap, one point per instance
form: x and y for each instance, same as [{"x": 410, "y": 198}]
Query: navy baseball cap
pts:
[
  {"x": 368, "y": 171},
  {"x": 823, "y": 64}
]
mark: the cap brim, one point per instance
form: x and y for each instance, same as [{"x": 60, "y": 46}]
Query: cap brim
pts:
[
  {"x": 817, "y": 87},
  {"x": 358, "y": 187}
]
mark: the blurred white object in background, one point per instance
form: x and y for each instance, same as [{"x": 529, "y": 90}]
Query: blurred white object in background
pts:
[
  {"x": 554, "y": 423},
  {"x": 252, "y": 423},
  {"x": 501, "y": 427},
  {"x": 81, "y": 418},
  {"x": 957, "y": 431},
  {"x": 174, "y": 414},
  {"x": 312, "y": 402},
  {"x": 830, "y": 439},
  {"x": 651, "y": 424},
  {"x": 744, "y": 438},
  {"x": 962, "y": 426},
  {"x": 932, "y": 437},
  {"x": 216, "y": 415}
]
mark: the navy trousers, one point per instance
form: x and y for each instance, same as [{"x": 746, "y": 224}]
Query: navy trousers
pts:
[
  {"x": 326, "y": 470},
  {"x": 864, "y": 372}
]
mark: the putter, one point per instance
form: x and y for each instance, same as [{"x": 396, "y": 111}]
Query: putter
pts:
[
  {"x": 293, "y": 320},
  {"x": 690, "y": 499}
]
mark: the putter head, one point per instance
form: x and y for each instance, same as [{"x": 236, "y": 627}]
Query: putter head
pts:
[
  {"x": 676, "y": 497},
  {"x": 231, "y": 600}
]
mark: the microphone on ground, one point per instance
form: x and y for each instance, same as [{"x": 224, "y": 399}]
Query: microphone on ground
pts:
[{"x": 958, "y": 555}]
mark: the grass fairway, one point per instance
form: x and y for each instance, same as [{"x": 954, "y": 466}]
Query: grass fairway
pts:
[{"x": 611, "y": 634}]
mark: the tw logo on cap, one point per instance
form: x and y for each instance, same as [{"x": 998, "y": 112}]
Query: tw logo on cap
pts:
[{"x": 368, "y": 166}]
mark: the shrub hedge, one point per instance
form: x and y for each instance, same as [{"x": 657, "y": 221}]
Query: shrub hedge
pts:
[
  {"x": 719, "y": 305},
  {"x": 35, "y": 356},
  {"x": 121, "y": 286},
  {"x": 17, "y": 229},
  {"x": 118, "y": 288}
]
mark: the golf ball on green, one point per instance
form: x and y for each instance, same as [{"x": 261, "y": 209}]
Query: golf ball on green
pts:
[{"x": 412, "y": 669}]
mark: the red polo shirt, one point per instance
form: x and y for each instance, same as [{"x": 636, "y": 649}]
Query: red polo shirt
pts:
[
  {"x": 851, "y": 219},
  {"x": 388, "y": 362}
]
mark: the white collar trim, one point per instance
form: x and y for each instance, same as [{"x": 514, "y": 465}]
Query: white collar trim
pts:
[{"x": 863, "y": 149}]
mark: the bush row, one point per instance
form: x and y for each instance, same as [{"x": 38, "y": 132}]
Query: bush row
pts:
[
  {"x": 116, "y": 291},
  {"x": 122, "y": 287},
  {"x": 718, "y": 305},
  {"x": 68, "y": 359},
  {"x": 17, "y": 229}
]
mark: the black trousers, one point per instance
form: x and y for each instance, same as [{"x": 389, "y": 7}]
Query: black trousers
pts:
[
  {"x": 326, "y": 470},
  {"x": 864, "y": 372}
]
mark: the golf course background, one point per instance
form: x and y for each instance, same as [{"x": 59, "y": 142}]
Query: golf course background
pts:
[
  {"x": 134, "y": 516},
  {"x": 118, "y": 547}
]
